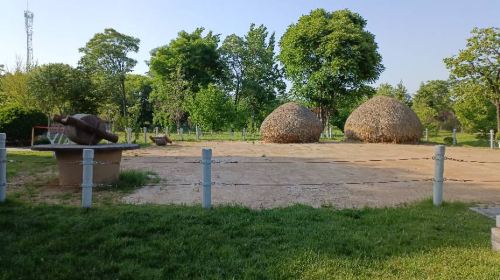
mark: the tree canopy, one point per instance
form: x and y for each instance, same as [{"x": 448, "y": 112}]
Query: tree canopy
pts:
[
  {"x": 211, "y": 108},
  {"x": 479, "y": 63},
  {"x": 474, "y": 111},
  {"x": 329, "y": 56},
  {"x": 105, "y": 58},
  {"x": 195, "y": 56},
  {"x": 254, "y": 76},
  {"x": 398, "y": 92},
  {"x": 62, "y": 89},
  {"x": 433, "y": 105}
]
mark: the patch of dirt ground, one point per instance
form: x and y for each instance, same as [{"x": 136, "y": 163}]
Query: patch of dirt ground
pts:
[{"x": 343, "y": 175}]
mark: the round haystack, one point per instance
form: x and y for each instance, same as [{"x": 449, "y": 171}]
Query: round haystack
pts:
[
  {"x": 383, "y": 119},
  {"x": 291, "y": 123}
]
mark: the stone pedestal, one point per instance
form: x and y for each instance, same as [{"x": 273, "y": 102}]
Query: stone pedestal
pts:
[{"x": 107, "y": 158}]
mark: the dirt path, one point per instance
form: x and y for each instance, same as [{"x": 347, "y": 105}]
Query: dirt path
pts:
[{"x": 261, "y": 175}]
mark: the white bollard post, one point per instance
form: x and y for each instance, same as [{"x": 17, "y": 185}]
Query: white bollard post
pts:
[
  {"x": 197, "y": 133},
  {"x": 129, "y": 135},
  {"x": 166, "y": 131},
  {"x": 156, "y": 131},
  {"x": 231, "y": 134},
  {"x": 329, "y": 132},
  {"x": 3, "y": 139},
  {"x": 206, "y": 161},
  {"x": 492, "y": 139},
  {"x": 87, "y": 180},
  {"x": 181, "y": 131},
  {"x": 454, "y": 136},
  {"x": 426, "y": 134},
  {"x": 3, "y": 173},
  {"x": 244, "y": 134},
  {"x": 145, "y": 130},
  {"x": 437, "y": 197}
]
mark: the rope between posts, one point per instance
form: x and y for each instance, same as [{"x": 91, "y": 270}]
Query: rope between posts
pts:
[
  {"x": 287, "y": 162},
  {"x": 469, "y": 161},
  {"x": 296, "y": 184}
]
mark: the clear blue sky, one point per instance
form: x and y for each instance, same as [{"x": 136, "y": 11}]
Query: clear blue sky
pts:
[{"x": 413, "y": 36}]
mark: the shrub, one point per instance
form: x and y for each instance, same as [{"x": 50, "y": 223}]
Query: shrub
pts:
[
  {"x": 17, "y": 122},
  {"x": 448, "y": 140}
]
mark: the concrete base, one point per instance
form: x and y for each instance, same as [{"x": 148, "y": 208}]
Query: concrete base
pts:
[
  {"x": 106, "y": 167},
  {"x": 107, "y": 158}
]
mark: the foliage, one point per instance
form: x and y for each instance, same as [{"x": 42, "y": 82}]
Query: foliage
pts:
[
  {"x": 211, "y": 108},
  {"x": 105, "y": 58},
  {"x": 59, "y": 88},
  {"x": 433, "y": 105},
  {"x": 474, "y": 111},
  {"x": 17, "y": 121},
  {"x": 130, "y": 180},
  {"x": 398, "y": 92},
  {"x": 140, "y": 109},
  {"x": 169, "y": 98},
  {"x": 329, "y": 56},
  {"x": 194, "y": 56},
  {"x": 14, "y": 90},
  {"x": 347, "y": 105},
  {"x": 448, "y": 140},
  {"x": 479, "y": 63},
  {"x": 179, "y": 242},
  {"x": 254, "y": 77}
]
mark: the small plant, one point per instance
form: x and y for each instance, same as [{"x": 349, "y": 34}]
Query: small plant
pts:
[
  {"x": 448, "y": 140},
  {"x": 130, "y": 180}
]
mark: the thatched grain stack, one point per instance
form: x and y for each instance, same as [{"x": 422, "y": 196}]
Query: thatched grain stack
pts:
[
  {"x": 291, "y": 123},
  {"x": 383, "y": 119}
]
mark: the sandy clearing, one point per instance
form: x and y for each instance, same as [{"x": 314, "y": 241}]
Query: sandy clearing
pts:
[{"x": 260, "y": 175}]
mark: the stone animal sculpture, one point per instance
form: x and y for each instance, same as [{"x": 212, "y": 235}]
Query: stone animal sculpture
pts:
[{"x": 85, "y": 129}]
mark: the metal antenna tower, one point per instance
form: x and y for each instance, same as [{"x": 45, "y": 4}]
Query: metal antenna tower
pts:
[{"x": 28, "y": 21}]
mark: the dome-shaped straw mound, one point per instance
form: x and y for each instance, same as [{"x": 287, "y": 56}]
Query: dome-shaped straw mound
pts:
[
  {"x": 291, "y": 123},
  {"x": 383, "y": 119}
]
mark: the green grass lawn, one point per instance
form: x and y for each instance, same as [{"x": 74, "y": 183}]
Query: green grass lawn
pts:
[
  {"x": 191, "y": 136},
  {"x": 463, "y": 139},
  {"x": 299, "y": 242},
  {"x": 28, "y": 162}
]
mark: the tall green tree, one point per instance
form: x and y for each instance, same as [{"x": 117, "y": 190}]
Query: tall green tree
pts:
[
  {"x": 58, "y": 88},
  {"x": 479, "y": 62},
  {"x": 194, "y": 55},
  {"x": 106, "y": 59},
  {"x": 254, "y": 75},
  {"x": 329, "y": 56},
  {"x": 169, "y": 99},
  {"x": 433, "y": 104},
  {"x": 398, "y": 92},
  {"x": 211, "y": 108},
  {"x": 140, "y": 109},
  {"x": 14, "y": 90},
  {"x": 474, "y": 111}
]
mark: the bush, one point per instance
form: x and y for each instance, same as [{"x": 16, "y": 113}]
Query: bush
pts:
[
  {"x": 448, "y": 140},
  {"x": 17, "y": 122}
]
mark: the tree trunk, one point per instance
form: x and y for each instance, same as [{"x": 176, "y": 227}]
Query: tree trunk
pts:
[
  {"x": 124, "y": 99},
  {"x": 497, "y": 105},
  {"x": 237, "y": 93}
]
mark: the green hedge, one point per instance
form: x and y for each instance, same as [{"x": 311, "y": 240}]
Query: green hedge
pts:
[{"x": 17, "y": 123}]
